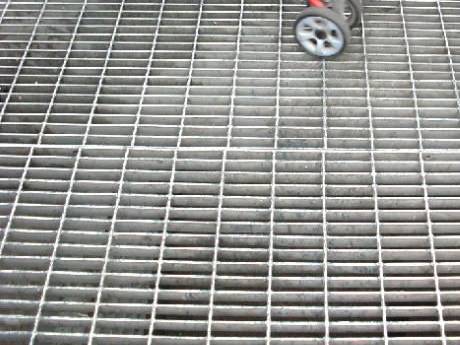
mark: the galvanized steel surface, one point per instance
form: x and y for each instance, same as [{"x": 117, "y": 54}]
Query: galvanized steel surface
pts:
[{"x": 178, "y": 172}]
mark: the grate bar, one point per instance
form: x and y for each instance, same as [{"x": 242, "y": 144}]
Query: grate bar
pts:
[
  {"x": 69, "y": 191},
  {"x": 173, "y": 173},
  {"x": 27, "y": 166},
  {"x": 375, "y": 188},
  {"x": 209, "y": 330},
  {"x": 123, "y": 172},
  {"x": 4, "y": 9},
  {"x": 269, "y": 319},
  {"x": 241, "y": 149},
  {"x": 324, "y": 208},
  {"x": 434, "y": 260},
  {"x": 449, "y": 54}
]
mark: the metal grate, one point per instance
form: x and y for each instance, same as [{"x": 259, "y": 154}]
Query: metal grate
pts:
[{"x": 177, "y": 172}]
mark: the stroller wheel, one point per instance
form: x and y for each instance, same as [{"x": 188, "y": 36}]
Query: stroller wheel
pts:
[
  {"x": 322, "y": 32},
  {"x": 353, "y": 12}
]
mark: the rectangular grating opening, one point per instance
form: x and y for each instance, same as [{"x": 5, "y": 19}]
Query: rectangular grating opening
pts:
[{"x": 178, "y": 172}]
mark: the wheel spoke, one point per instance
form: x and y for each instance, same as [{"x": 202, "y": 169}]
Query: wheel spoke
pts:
[
  {"x": 335, "y": 43},
  {"x": 306, "y": 34},
  {"x": 311, "y": 22},
  {"x": 330, "y": 27},
  {"x": 320, "y": 48}
]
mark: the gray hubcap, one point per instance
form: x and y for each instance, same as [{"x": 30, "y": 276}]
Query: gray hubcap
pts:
[{"x": 320, "y": 36}]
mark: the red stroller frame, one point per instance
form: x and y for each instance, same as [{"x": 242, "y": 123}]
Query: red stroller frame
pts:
[
  {"x": 316, "y": 3},
  {"x": 323, "y": 29}
]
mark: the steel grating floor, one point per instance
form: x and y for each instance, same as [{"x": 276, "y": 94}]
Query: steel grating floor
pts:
[{"x": 179, "y": 173}]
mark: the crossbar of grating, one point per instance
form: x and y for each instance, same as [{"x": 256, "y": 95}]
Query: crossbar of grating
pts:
[{"x": 178, "y": 172}]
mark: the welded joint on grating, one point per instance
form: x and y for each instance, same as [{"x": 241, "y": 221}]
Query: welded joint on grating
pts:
[
  {"x": 374, "y": 185},
  {"x": 434, "y": 262},
  {"x": 222, "y": 177},
  {"x": 172, "y": 178}
]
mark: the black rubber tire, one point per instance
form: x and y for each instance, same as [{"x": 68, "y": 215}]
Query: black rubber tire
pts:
[
  {"x": 326, "y": 13},
  {"x": 354, "y": 19}
]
